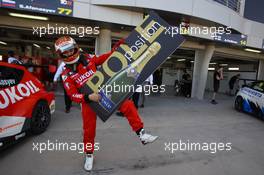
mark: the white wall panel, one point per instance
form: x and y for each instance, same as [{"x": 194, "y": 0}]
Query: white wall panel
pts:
[
  {"x": 184, "y": 7},
  {"x": 86, "y": 9},
  {"x": 105, "y": 10},
  {"x": 114, "y": 2},
  {"x": 211, "y": 11}
]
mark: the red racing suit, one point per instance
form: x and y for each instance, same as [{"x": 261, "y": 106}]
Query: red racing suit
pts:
[{"x": 73, "y": 80}]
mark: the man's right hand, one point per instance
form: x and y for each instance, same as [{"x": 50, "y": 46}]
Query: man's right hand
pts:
[{"x": 95, "y": 97}]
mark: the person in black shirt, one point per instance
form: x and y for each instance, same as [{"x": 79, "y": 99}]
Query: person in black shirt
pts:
[
  {"x": 218, "y": 75},
  {"x": 232, "y": 82},
  {"x": 187, "y": 84}
]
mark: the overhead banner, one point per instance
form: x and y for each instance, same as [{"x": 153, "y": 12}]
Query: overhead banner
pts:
[
  {"x": 54, "y": 7},
  {"x": 238, "y": 39},
  {"x": 144, "y": 50}
]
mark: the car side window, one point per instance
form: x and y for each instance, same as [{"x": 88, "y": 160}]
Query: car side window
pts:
[
  {"x": 259, "y": 86},
  {"x": 10, "y": 76}
]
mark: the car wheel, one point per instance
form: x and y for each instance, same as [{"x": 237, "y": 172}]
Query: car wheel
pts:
[
  {"x": 239, "y": 104},
  {"x": 177, "y": 90},
  {"x": 40, "y": 118},
  {"x": 260, "y": 114}
]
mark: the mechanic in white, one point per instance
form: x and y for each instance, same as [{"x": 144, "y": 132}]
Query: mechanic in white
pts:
[
  {"x": 12, "y": 59},
  {"x": 148, "y": 81},
  {"x": 67, "y": 100},
  {"x": 140, "y": 91}
]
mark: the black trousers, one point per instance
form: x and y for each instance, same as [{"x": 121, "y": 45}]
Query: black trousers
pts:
[
  {"x": 135, "y": 98},
  {"x": 67, "y": 100},
  {"x": 187, "y": 89}
]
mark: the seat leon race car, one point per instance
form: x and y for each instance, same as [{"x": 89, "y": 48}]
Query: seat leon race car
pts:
[
  {"x": 250, "y": 99},
  {"x": 24, "y": 104}
]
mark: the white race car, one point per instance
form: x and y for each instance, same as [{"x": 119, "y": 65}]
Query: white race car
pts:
[{"x": 250, "y": 99}]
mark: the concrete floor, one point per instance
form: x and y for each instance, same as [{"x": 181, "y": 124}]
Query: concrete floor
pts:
[{"x": 172, "y": 118}]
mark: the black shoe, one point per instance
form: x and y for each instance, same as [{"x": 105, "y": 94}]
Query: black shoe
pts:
[
  {"x": 214, "y": 102},
  {"x": 142, "y": 106},
  {"x": 120, "y": 114},
  {"x": 67, "y": 110}
]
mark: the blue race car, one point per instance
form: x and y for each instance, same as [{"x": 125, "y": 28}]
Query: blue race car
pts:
[{"x": 250, "y": 99}]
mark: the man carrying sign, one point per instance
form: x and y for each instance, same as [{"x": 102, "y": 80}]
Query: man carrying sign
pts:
[{"x": 78, "y": 69}]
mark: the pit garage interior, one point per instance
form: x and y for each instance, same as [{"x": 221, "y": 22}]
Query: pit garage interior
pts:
[
  {"x": 184, "y": 59},
  {"x": 17, "y": 34},
  {"x": 41, "y": 50}
]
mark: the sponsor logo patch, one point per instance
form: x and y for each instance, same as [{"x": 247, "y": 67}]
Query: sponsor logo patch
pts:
[
  {"x": 17, "y": 93},
  {"x": 8, "y": 3}
]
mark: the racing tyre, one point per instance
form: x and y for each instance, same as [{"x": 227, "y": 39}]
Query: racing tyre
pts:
[
  {"x": 239, "y": 104},
  {"x": 177, "y": 91},
  {"x": 260, "y": 114},
  {"x": 40, "y": 118}
]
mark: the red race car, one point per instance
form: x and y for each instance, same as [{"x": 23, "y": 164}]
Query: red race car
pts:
[{"x": 24, "y": 103}]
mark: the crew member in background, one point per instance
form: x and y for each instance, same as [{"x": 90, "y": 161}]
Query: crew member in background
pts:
[
  {"x": 12, "y": 59},
  {"x": 187, "y": 83},
  {"x": 233, "y": 82},
  {"x": 147, "y": 83},
  {"x": 67, "y": 99},
  {"x": 139, "y": 92},
  {"x": 30, "y": 65},
  {"x": 51, "y": 73},
  {"x": 78, "y": 69},
  {"x": 157, "y": 78},
  {"x": 135, "y": 96},
  {"x": 218, "y": 75}
]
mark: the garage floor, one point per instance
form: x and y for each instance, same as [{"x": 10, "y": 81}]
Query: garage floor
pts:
[{"x": 172, "y": 118}]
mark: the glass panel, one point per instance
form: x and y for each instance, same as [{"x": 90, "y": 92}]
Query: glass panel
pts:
[
  {"x": 232, "y": 4},
  {"x": 10, "y": 76}
]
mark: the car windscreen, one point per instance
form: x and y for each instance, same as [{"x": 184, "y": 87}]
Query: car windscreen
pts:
[
  {"x": 10, "y": 76},
  {"x": 259, "y": 86}
]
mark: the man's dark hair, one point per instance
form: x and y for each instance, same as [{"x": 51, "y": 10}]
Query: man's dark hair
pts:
[
  {"x": 11, "y": 53},
  {"x": 217, "y": 67}
]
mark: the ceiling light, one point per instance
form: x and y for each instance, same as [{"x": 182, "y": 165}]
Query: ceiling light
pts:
[
  {"x": 253, "y": 50},
  {"x": 233, "y": 68},
  {"x": 169, "y": 58},
  {"x": 48, "y": 47},
  {"x": 211, "y": 68},
  {"x": 36, "y": 45},
  {"x": 2, "y": 42},
  {"x": 212, "y": 63},
  {"x": 29, "y": 16},
  {"x": 1, "y": 57},
  {"x": 181, "y": 60}
]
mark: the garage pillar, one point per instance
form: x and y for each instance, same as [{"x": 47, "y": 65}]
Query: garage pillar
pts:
[
  {"x": 103, "y": 42},
  {"x": 261, "y": 70},
  {"x": 200, "y": 72}
]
